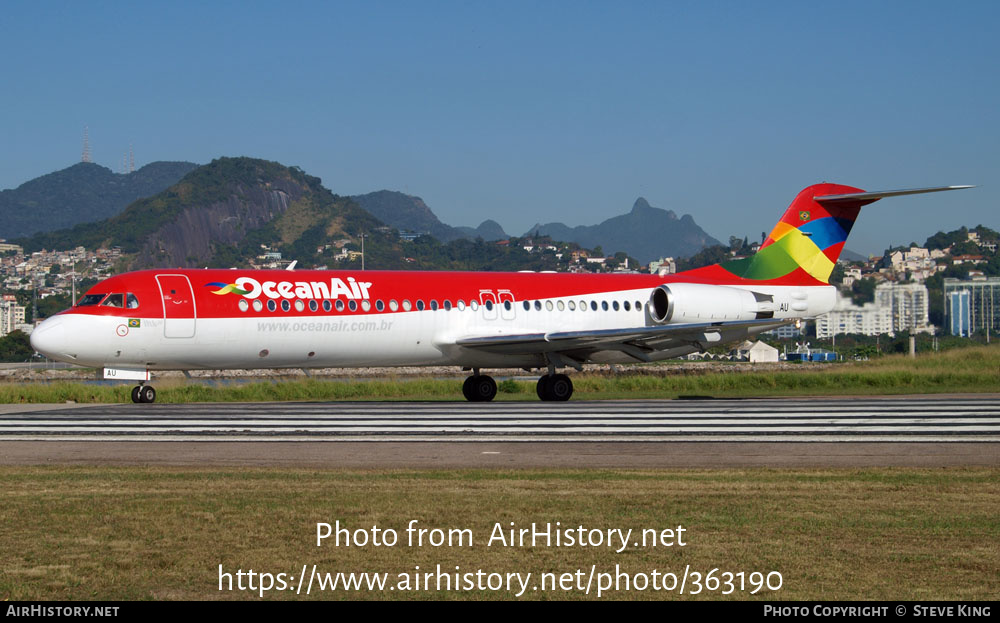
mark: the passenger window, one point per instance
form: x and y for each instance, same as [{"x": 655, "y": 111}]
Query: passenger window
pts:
[
  {"x": 447, "y": 305},
  {"x": 507, "y": 305},
  {"x": 313, "y": 305},
  {"x": 114, "y": 300},
  {"x": 560, "y": 305},
  {"x": 352, "y": 305},
  {"x": 460, "y": 305},
  {"x": 393, "y": 305},
  {"x": 420, "y": 304},
  {"x": 434, "y": 305},
  {"x": 627, "y": 306},
  {"x": 604, "y": 305},
  {"x": 300, "y": 305},
  {"x": 488, "y": 304},
  {"x": 131, "y": 301},
  {"x": 593, "y": 305},
  {"x": 243, "y": 305},
  {"x": 548, "y": 305},
  {"x": 538, "y": 306},
  {"x": 474, "y": 305},
  {"x": 326, "y": 306},
  {"x": 527, "y": 306},
  {"x": 340, "y": 305},
  {"x": 379, "y": 305},
  {"x": 257, "y": 305},
  {"x": 285, "y": 305},
  {"x": 614, "y": 305},
  {"x": 271, "y": 305},
  {"x": 406, "y": 305},
  {"x": 572, "y": 305}
]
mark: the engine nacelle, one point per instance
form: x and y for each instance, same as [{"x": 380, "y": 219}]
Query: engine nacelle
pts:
[{"x": 696, "y": 302}]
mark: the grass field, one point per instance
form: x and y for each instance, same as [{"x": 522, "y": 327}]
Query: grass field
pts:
[
  {"x": 120, "y": 533},
  {"x": 968, "y": 370}
]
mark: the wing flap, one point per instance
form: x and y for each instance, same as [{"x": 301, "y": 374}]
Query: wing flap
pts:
[{"x": 637, "y": 342}]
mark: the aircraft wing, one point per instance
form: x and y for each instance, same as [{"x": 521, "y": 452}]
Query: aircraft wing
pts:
[{"x": 638, "y": 342}]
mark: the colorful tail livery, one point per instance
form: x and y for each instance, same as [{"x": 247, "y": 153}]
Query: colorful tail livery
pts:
[
  {"x": 185, "y": 319},
  {"x": 805, "y": 244}
]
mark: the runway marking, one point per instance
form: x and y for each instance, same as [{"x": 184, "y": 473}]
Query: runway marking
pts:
[{"x": 842, "y": 419}]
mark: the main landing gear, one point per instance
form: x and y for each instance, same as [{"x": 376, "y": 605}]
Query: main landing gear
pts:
[
  {"x": 554, "y": 387},
  {"x": 482, "y": 388},
  {"x": 479, "y": 388},
  {"x": 143, "y": 393}
]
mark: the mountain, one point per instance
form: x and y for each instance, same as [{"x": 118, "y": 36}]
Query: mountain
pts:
[
  {"x": 220, "y": 213},
  {"x": 489, "y": 230},
  {"x": 82, "y": 193},
  {"x": 232, "y": 211},
  {"x": 850, "y": 256},
  {"x": 409, "y": 213},
  {"x": 646, "y": 233}
]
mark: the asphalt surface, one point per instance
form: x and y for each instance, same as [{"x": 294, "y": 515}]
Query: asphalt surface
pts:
[{"x": 919, "y": 431}]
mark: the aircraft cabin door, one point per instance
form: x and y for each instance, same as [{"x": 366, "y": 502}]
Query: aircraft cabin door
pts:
[
  {"x": 488, "y": 301},
  {"x": 507, "y": 308},
  {"x": 179, "y": 313}
]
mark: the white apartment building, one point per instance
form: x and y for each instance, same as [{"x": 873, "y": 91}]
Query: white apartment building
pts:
[
  {"x": 663, "y": 266},
  {"x": 909, "y": 306},
  {"x": 11, "y": 314},
  {"x": 897, "y": 307},
  {"x": 846, "y": 317}
]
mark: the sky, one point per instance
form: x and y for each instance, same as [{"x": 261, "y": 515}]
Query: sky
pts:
[{"x": 527, "y": 112}]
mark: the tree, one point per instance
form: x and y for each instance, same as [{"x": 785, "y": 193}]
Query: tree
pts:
[
  {"x": 837, "y": 276},
  {"x": 15, "y": 347},
  {"x": 863, "y": 291},
  {"x": 707, "y": 256}
]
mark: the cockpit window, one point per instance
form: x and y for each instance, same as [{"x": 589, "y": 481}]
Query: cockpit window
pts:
[
  {"x": 90, "y": 299},
  {"x": 114, "y": 300},
  {"x": 131, "y": 301}
]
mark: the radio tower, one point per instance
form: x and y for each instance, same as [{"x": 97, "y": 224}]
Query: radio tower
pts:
[{"x": 86, "y": 146}]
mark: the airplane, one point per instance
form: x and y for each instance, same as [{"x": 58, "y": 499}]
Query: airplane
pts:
[{"x": 184, "y": 319}]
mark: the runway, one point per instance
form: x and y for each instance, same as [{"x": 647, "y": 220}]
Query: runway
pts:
[{"x": 889, "y": 419}]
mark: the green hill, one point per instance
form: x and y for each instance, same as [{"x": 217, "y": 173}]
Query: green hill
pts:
[
  {"x": 218, "y": 214},
  {"x": 84, "y": 192},
  {"x": 409, "y": 213},
  {"x": 229, "y": 212}
]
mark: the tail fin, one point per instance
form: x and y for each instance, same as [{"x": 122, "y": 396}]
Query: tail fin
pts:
[{"x": 811, "y": 234}]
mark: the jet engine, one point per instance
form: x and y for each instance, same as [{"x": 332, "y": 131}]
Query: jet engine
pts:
[{"x": 697, "y": 302}]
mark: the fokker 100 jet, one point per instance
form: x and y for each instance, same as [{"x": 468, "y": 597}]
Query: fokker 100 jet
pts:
[{"x": 186, "y": 319}]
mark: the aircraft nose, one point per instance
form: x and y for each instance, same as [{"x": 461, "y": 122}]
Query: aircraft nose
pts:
[{"x": 49, "y": 338}]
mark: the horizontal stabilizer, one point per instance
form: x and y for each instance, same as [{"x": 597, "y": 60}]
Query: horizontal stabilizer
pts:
[{"x": 868, "y": 197}]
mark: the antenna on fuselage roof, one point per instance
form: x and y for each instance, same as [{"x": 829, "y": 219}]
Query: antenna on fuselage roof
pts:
[{"x": 292, "y": 265}]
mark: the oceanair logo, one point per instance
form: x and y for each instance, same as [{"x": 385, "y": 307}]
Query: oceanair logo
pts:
[
  {"x": 251, "y": 288},
  {"x": 224, "y": 288}
]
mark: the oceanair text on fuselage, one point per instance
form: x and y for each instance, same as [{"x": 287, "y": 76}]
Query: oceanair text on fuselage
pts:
[{"x": 351, "y": 289}]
